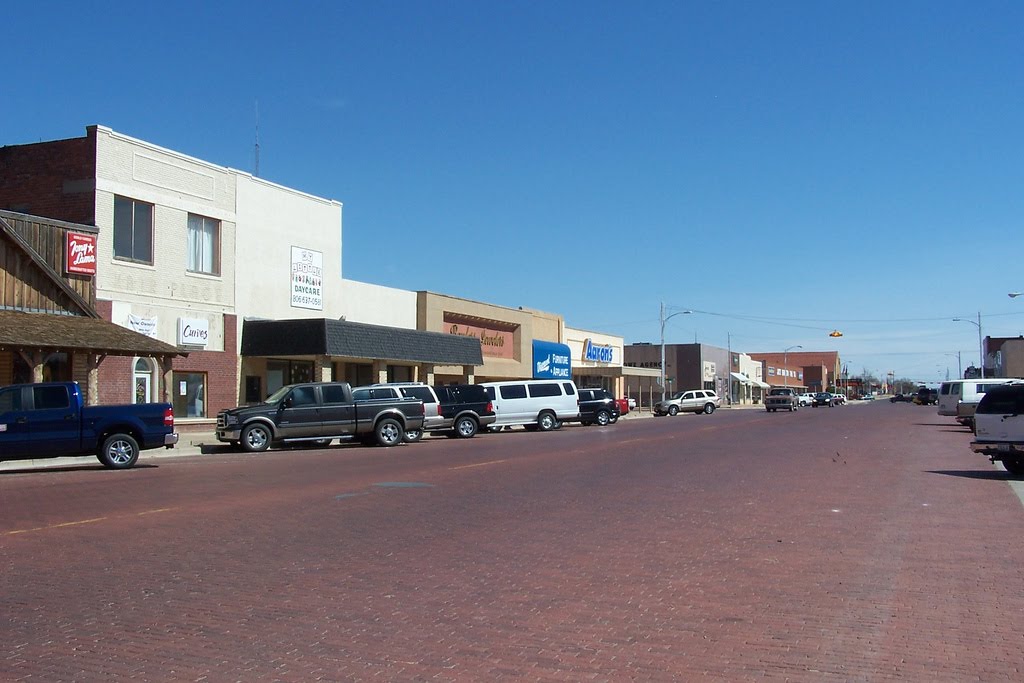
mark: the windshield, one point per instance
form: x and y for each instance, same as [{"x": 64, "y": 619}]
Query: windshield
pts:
[
  {"x": 278, "y": 395},
  {"x": 779, "y": 392}
]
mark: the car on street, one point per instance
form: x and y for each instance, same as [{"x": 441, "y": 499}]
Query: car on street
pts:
[
  {"x": 999, "y": 427},
  {"x": 823, "y": 398},
  {"x": 899, "y": 398},
  {"x": 782, "y": 398},
  {"x": 623, "y": 404},
  {"x": 927, "y": 397},
  {"x": 598, "y": 406},
  {"x": 838, "y": 399},
  {"x": 692, "y": 401},
  {"x": 50, "y": 420},
  {"x": 319, "y": 412},
  {"x": 806, "y": 400}
]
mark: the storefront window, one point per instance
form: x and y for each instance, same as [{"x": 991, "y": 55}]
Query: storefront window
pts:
[
  {"x": 282, "y": 372},
  {"x": 399, "y": 373},
  {"x": 190, "y": 394},
  {"x": 359, "y": 374},
  {"x": 301, "y": 371}
]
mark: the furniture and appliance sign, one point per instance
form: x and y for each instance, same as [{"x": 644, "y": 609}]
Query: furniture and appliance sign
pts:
[{"x": 551, "y": 360}]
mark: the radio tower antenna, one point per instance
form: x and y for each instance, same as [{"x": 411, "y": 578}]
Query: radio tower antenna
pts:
[{"x": 256, "y": 171}]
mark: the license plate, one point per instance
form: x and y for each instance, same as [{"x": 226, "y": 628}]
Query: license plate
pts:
[{"x": 1003, "y": 447}]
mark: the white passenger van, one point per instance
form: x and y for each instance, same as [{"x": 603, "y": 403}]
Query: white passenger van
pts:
[
  {"x": 535, "y": 403},
  {"x": 959, "y": 397}
]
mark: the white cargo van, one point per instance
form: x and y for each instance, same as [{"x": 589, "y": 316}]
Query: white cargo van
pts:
[
  {"x": 959, "y": 397},
  {"x": 535, "y": 403}
]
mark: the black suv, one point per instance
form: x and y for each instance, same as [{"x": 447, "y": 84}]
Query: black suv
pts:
[
  {"x": 465, "y": 408},
  {"x": 597, "y": 406},
  {"x": 927, "y": 397}
]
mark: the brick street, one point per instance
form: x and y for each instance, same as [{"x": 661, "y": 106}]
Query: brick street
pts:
[{"x": 859, "y": 543}]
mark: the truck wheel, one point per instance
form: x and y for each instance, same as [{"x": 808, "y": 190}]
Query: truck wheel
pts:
[
  {"x": 389, "y": 432},
  {"x": 256, "y": 437},
  {"x": 673, "y": 410},
  {"x": 1014, "y": 467},
  {"x": 709, "y": 408},
  {"x": 119, "y": 452},
  {"x": 413, "y": 435},
  {"x": 603, "y": 418},
  {"x": 546, "y": 421},
  {"x": 465, "y": 427}
]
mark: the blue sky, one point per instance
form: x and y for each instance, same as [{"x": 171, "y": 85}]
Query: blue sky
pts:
[{"x": 782, "y": 169}]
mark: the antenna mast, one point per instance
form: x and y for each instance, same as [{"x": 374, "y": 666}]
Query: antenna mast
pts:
[{"x": 256, "y": 172}]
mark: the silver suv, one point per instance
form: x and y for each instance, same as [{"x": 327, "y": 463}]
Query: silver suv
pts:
[
  {"x": 432, "y": 418},
  {"x": 692, "y": 401}
]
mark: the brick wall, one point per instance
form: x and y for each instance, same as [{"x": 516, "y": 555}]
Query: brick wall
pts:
[
  {"x": 221, "y": 368},
  {"x": 54, "y": 179},
  {"x": 117, "y": 376}
]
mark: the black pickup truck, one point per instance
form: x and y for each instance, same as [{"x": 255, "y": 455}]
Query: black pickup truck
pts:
[
  {"x": 319, "y": 412},
  {"x": 50, "y": 420}
]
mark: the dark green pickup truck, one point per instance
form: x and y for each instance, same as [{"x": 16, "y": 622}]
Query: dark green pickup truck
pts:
[{"x": 319, "y": 412}]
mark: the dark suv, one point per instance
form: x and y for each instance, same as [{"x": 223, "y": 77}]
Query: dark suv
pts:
[
  {"x": 598, "y": 406},
  {"x": 927, "y": 397},
  {"x": 464, "y": 408}
]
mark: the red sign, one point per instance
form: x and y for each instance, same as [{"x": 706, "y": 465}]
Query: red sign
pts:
[
  {"x": 80, "y": 255},
  {"x": 494, "y": 342}
]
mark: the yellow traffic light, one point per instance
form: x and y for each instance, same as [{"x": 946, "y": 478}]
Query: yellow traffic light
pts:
[{"x": 835, "y": 333}]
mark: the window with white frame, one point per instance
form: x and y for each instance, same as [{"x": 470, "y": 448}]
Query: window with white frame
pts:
[
  {"x": 133, "y": 230},
  {"x": 203, "y": 245}
]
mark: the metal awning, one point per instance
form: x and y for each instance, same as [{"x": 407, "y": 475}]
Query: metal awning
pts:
[
  {"x": 741, "y": 378},
  {"x": 759, "y": 383}
]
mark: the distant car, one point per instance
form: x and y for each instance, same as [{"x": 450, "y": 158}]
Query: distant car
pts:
[
  {"x": 839, "y": 399},
  {"x": 899, "y": 398},
  {"x": 867, "y": 397},
  {"x": 927, "y": 397},
  {"x": 823, "y": 398},
  {"x": 623, "y": 404},
  {"x": 693, "y": 401},
  {"x": 781, "y": 398},
  {"x": 806, "y": 399}
]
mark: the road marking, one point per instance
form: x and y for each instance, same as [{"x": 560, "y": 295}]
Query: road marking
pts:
[
  {"x": 79, "y": 522},
  {"x": 150, "y": 512},
  {"x": 54, "y": 526},
  {"x": 478, "y": 464}
]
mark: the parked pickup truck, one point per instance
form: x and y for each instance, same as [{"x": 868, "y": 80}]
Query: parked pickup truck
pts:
[
  {"x": 50, "y": 420},
  {"x": 319, "y": 412},
  {"x": 782, "y": 398},
  {"x": 999, "y": 427}
]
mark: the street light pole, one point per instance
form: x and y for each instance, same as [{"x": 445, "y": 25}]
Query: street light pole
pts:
[
  {"x": 785, "y": 362},
  {"x": 663, "y": 321},
  {"x": 981, "y": 347}
]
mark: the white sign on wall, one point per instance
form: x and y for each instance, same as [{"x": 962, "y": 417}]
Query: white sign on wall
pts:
[
  {"x": 193, "y": 331},
  {"x": 307, "y": 279},
  {"x": 709, "y": 371},
  {"x": 146, "y": 326}
]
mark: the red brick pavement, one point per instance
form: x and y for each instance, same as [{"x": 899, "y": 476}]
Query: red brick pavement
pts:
[{"x": 857, "y": 544}]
